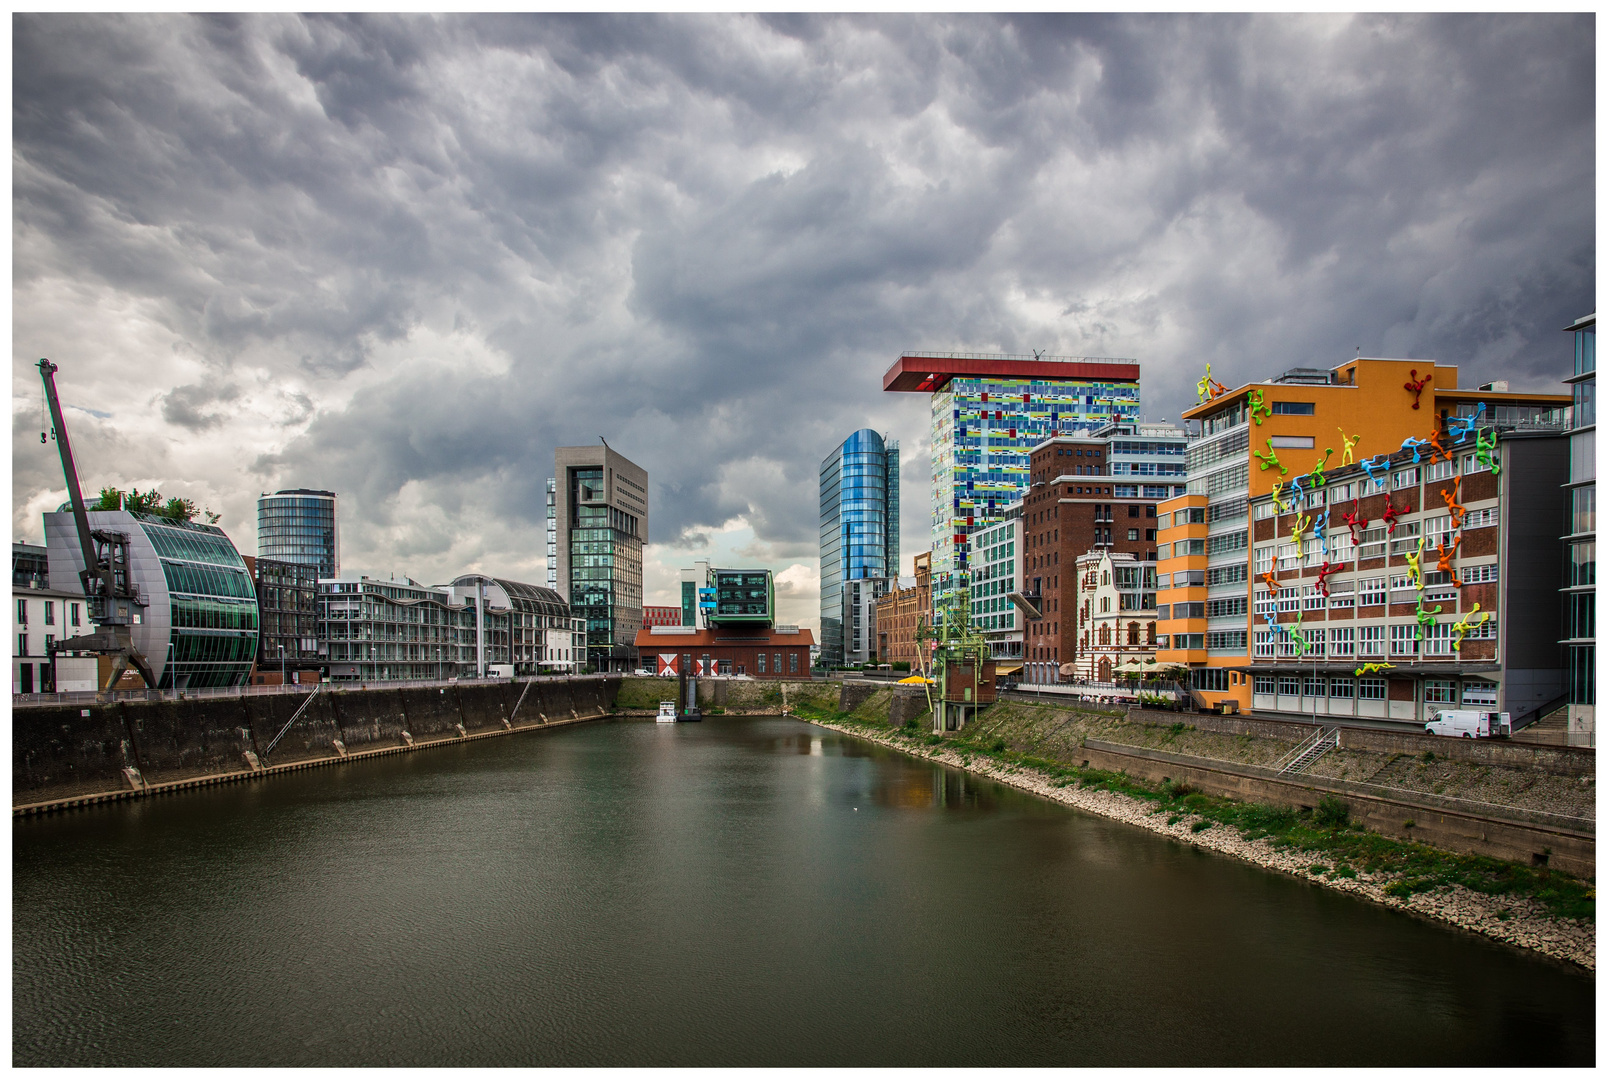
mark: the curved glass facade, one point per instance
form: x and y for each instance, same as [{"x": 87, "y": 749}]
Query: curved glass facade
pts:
[
  {"x": 212, "y": 605},
  {"x": 859, "y": 487},
  {"x": 300, "y": 526}
]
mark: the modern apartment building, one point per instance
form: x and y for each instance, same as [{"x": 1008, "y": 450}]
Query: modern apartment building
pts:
[
  {"x": 1290, "y": 431},
  {"x": 989, "y": 410},
  {"x": 196, "y": 617},
  {"x": 900, "y": 612},
  {"x": 300, "y": 525},
  {"x": 30, "y": 566},
  {"x": 1580, "y": 582},
  {"x": 995, "y": 573},
  {"x": 287, "y": 605},
  {"x": 859, "y": 515},
  {"x": 597, "y": 522},
  {"x": 518, "y": 629},
  {"x": 1432, "y": 594}
]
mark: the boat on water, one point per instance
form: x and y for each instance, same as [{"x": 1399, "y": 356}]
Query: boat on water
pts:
[{"x": 667, "y": 712}]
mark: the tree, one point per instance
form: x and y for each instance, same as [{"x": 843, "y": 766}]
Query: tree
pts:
[{"x": 152, "y": 503}]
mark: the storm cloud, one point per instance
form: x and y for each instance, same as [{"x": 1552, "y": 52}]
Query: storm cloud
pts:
[{"x": 405, "y": 257}]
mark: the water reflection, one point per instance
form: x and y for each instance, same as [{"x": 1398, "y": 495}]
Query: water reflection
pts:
[{"x": 733, "y": 893}]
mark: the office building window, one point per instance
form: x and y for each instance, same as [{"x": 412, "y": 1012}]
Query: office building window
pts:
[{"x": 50, "y": 613}]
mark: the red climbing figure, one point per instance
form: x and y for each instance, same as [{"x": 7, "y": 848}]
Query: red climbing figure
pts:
[
  {"x": 1390, "y": 515},
  {"x": 1324, "y": 571},
  {"x": 1353, "y": 522},
  {"x": 1416, "y": 385}
]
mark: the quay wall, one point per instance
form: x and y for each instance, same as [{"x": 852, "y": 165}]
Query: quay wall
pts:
[{"x": 66, "y": 750}]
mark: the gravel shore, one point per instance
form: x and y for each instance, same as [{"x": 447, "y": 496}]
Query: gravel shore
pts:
[{"x": 1527, "y": 926}]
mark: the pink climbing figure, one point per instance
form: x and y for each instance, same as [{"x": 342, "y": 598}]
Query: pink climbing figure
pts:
[{"x": 1416, "y": 385}]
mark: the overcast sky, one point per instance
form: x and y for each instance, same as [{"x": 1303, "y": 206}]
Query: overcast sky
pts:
[{"x": 403, "y": 258}]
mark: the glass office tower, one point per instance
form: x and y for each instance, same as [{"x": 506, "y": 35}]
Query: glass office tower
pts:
[
  {"x": 299, "y": 525},
  {"x": 859, "y": 489},
  {"x": 597, "y": 525}
]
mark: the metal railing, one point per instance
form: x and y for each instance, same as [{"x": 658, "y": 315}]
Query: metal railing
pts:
[{"x": 75, "y": 697}]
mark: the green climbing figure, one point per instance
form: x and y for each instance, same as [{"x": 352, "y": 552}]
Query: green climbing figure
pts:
[
  {"x": 1259, "y": 408},
  {"x": 1425, "y": 617},
  {"x": 1486, "y": 452},
  {"x": 1270, "y": 459},
  {"x": 1297, "y": 635},
  {"x": 1318, "y": 479}
]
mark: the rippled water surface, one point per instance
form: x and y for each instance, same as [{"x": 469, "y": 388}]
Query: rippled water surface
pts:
[{"x": 736, "y": 892}]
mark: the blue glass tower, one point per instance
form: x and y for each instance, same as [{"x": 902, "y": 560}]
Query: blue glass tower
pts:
[
  {"x": 859, "y": 540},
  {"x": 300, "y": 526}
]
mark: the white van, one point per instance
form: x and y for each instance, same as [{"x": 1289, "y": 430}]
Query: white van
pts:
[{"x": 1470, "y": 724}]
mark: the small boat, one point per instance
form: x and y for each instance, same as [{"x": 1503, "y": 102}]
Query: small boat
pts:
[{"x": 667, "y": 712}]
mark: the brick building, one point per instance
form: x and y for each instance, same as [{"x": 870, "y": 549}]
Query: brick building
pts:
[
  {"x": 779, "y": 652},
  {"x": 1446, "y": 601},
  {"x": 898, "y": 614},
  {"x": 1069, "y": 511}
]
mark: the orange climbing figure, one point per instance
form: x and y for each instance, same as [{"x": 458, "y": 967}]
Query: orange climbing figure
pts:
[
  {"x": 1457, "y": 509},
  {"x": 1272, "y": 585},
  {"x": 1435, "y": 447},
  {"x": 1445, "y": 562},
  {"x": 1209, "y": 389}
]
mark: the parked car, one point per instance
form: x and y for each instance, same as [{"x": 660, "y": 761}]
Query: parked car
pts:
[{"x": 1470, "y": 724}]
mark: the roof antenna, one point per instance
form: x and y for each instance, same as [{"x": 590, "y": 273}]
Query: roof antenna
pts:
[{"x": 604, "y": 441}]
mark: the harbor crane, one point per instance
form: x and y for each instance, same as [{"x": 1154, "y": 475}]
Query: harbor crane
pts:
[{"x": 110, "y": 593}]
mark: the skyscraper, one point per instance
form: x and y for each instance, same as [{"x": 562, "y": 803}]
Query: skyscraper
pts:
[
  {"x": 300, "y": 526},
  {"x": 988, "y": 412},
  {"x": 1580, "y": 584},
  {"x": 859, "y": 541},
  {"x": 597, "y": 522}
]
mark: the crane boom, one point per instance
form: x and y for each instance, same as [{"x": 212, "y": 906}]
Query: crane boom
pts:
[
  {"x": 47, "y": 371},
  {"x": 109, "y": 591}
]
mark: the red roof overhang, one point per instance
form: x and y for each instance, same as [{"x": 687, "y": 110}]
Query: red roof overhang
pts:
[{"x": 919, "y": 374}]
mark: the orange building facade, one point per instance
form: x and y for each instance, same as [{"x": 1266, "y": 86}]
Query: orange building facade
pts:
[{"x": 1269, "y": 438}]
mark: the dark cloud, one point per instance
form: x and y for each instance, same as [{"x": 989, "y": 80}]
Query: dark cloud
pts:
[{"x": 405, "y": 257}]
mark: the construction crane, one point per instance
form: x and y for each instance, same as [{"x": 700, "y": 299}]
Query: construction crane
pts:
[
  {"x": 110, "y": 593},
  {"x": 958, "y": 644}
]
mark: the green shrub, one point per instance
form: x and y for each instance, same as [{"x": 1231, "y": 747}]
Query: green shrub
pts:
[
  {"x": 997, "y": 745},
  {"x": 1331, "y": 813},
  {"x": 1200, "y": 825},
  {"x": 1343, "y": 871}
]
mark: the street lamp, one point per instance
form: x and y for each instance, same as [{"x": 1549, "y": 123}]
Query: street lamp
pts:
[{"x": 282, "y": 679}]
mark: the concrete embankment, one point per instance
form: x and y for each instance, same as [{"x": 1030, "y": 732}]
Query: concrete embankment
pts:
[
  {"x": 1062, "y": 736},
  {"x": 71, "y": 755}
]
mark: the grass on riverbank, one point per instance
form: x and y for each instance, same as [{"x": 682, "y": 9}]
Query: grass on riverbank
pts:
[{"x": 1322, "y": 832}]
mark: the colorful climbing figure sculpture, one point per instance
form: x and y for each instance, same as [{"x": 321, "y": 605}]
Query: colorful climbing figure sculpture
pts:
[
  {"x": 1466, "y": 624},
  {"x": 1486, "y": 453},
  {"x": 1390, "y": 515},
  {"x": 1354, "y": 520},
  {"x": 1415, "y": 385},
  {"x": 1456, "y": 508},
  {"x": 1347, "y": 444},
  {"x": 1324, "y": 571},
  {"x": 1259, "y": 408},
  {"x": 1444, "y": 564},
  {"x": 1371, "y": 669},
  {"x": 1270, "y": 459}
]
